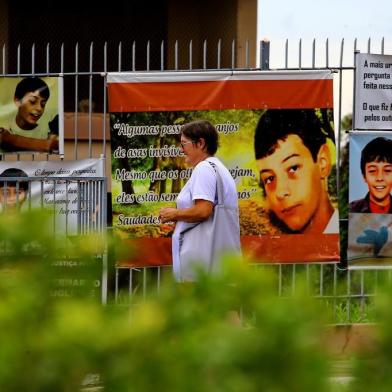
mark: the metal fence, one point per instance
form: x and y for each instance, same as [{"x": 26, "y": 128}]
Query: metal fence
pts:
[
  {"x": 85, "y": 90},
  {"x": 75, "y": 207}
]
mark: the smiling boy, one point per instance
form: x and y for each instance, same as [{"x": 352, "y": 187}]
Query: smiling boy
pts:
[
  {"x": 25, "y": 133},
  {"x": 294, "y": 162},
  {"x": 13, "y": 193},
  {"x": 376, "y": 168}
]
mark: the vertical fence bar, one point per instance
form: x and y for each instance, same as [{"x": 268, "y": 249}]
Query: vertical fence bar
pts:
[
  {"x": 286, "y": 54},
  {"x": 369, "y": 45},
  {"x": 233, "y": 54},
  {"x": 162, "y": 55},
  {"x": 334, "y": 289},
  {"x": 293, "y": 279},
  {"x": 205, "y": 54},
  {"x": 321, "y": 280},
  {"x": 3, "y": 51},
  {"x": 90, "y": 101},
  {"x": 66, "y": 210},
  {"x": 280, "y": 280},
  {"x": 176, "y": 55},
  {"x": 33, "y": 59},
  {"x": 47, "y": 58},
  {"x": 144, "y": 282},
  {"x": 130, "y": 285},
  {"x": 362, "y": 298},
  {"x": 105, "y": 71},
  {"x": 134, "y": 56},
  {"x": 158, "y": 280},
  {"x": 300, "y": 54},
  {"x": 327, "y": 53},
  {"x": 62, "y": 58},
  {"x": 353, "y": 96},
  {"x": 116, "y": 286},
  {"x": 382, "y": 45},
  {"x": 190, "y": 55},
  {"x": 247, "y": 53},
  {"x": 76, "y": 101},
  {"x": 307, "y": 278},
  {"x": 54, "y": 208},
  {"x": 314, "y": 53},
  {"x": 348, "y": 301},
  {"x": 148, "y": 55},
  {"x": 218, "y": 55},
  {"x": 18, "y": 60},
  {"x": 338, "y": 152},
  {"x": 79, "y": 207},
  {"x": 119, "y": 51},
  {"x": 264, "y": 54}
]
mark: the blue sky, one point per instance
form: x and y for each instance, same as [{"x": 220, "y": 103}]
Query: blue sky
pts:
[
  {"x": 335, "y": 19},
  {"x": 279, "y": 20}
]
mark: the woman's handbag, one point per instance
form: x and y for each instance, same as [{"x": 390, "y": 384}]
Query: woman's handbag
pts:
[{"x": 202, "y": 245}]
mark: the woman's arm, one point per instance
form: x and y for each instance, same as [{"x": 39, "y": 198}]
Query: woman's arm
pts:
[
  {"x": 200, "y": 211},
  {"x": 10, "y": 142}
]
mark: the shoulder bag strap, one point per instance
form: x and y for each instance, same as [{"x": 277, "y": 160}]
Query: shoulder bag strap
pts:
[{"x": 219, "y": 183}]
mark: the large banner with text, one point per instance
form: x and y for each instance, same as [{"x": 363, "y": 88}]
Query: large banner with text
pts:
[
  {"x": 276, "y": 138},
  {"x": 373, "y": 91}
]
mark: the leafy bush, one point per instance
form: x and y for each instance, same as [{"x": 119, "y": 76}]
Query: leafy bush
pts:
[
  {"x": 373, "y": 369},
  {"x": 225, "y": 333}
]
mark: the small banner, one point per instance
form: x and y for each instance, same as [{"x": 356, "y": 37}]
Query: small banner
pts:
[
  {"x": 58, "y": 187},
  {"x": 373, "y": 91},
  {"x": 31, "y": 115},
  {"x": 67, "y": 190},
  {"x": 370, "y": 208},
  {"x": 147, "y": 111}
]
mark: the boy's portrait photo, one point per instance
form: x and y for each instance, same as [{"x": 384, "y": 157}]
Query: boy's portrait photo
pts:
[
  {"x": 29, "y": 115},
  {"x": 295, "y": 157},
  {"x": 371, "y": 192},
  {"x": 13, "y": 193}
]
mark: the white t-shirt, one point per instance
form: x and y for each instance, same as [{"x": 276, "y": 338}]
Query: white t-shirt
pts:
[{"x": 202, "y": 186}]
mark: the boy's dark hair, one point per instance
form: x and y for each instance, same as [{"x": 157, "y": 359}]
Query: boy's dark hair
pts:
[
  {"x": 14, "y": 172},
  {"x": 277, "y": 124},
  {"x": 196, "y": 130},
  {"x": 377, "y": 150},
  {"x": 30, "y": 84}
]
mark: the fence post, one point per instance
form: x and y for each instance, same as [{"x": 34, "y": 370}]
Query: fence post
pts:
[{"x": 264, "y": 54}]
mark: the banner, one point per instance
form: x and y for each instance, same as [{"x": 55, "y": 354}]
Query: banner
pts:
[
  {"x": 373, "y": 91},
  {"x": 148, "y": 170},
  {"x": 31, "y": 115},
  {"x": 370, "y": 208},
  {"x": 56, "y": 186}
]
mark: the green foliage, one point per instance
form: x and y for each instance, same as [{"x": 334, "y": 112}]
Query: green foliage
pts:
[
  {"x": 373, "y": 369},
  {"x": 230, "y": 332}
]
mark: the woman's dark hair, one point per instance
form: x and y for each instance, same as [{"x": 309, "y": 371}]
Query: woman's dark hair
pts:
[
  {"x": 377, "y": 150},
  {"x": 31, "y": 84},
  {"x": 14, "y": 172},
  {"x": 202, "y": 129}
]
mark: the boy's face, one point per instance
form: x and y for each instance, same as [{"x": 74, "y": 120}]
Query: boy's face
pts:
[
  {"x": 30, "y": 109},
  {"x": 378, "y": 177},
  {"x": 10, "y": 197},
  {"x": 292, "y": 182}
]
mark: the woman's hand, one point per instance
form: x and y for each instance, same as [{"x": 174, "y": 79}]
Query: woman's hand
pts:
[
  {"x": 200, "y": 211},
  {"x": 168, "y": 214}
]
